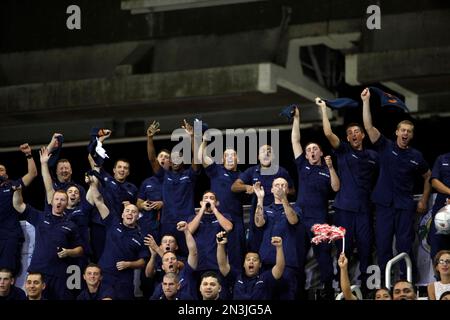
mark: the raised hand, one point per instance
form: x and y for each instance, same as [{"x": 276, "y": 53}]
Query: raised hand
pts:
[
  {"x": 153, "y": 129},
  {"x": 276, "y": 241},
  {"x": 188, "y": 128},
  {"x": 25, "y": 148},
  {"x": 258, "y": 189},
  {"x": 329, "y": 162},
  {"x": 365, "y": 94},
  {"x": 182, "y": 226},
  {"x": 44, "y": 155}
]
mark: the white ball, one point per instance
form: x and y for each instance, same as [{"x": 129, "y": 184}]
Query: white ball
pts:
[{"x": 442, "y": 220}]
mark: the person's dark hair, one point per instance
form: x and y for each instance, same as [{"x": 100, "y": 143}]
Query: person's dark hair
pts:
[
  {"x": 165, "y": 151},
  {"x": 123, "y": 160},
  {"x": 312, "y": 142},
  {"x": 93, "y": 265},
  {"x": 62, "y": 160},
  {"x": 354, "y": 124},
  {"x": 38, "y": 274},
  {"x": 210, "y": 274}
]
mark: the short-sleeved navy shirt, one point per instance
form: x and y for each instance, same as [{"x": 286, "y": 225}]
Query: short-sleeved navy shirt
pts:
[
  {"x": 277, "y": 225},
  {"x": 116, "y": 192},
  {"x": 9, "y": 217},
  {"x": 122, "y": 244},
  {"x": 314, "y": 188},
  {"x": 441, "y": 172},
  {"x": 14, "y": 294},
  {"x": 356, "y": 169},
  {"x": 102, "y": 292},
  {"x": 398, "y": 168},
  {"x": 256, "y": 288},
  {"x": 51, "y": 232}
]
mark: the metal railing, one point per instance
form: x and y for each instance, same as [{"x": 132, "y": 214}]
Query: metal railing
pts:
[{"x": 393, "y": 261}]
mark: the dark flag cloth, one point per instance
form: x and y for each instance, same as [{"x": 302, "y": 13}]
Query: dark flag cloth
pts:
[
  {"x": 97, "y": 175},
  {"x": 387, "y": 99},
  {"x": 54, "y": 153},
  {"x": 289, "y": 111},
  {"x": 341, "y": 103},
  {"x": 95, "y": 148}
]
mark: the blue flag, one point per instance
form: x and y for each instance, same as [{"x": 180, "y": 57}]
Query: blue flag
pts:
[
  {"x": 387, "y": 99},
  {"x": 289, "y": 111},
  {"x": 341, "y": 103},
  {"x": 54, "y": 157},
  {"x": 95, "y": 148}
]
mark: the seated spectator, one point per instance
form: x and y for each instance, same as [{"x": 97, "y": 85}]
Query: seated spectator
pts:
[{"x": 441, "y": 265}]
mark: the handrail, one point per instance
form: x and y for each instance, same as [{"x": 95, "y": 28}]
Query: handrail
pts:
[
  {"x": 354, "y": 289},
  {"x": 393, "y": 261}
]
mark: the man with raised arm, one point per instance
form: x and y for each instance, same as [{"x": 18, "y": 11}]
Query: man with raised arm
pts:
[
  {"x": 11, "y": 235},
  {"x": 252, "y": 283},
  {"x": 393, "y": 193},
  {"x": 357, "y": 169},
  {"x": 177, "y": 187},
  {"x": 316, "y": 181},
  {"x": 57, "y": 239}
]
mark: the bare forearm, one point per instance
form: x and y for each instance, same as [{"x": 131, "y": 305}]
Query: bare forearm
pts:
[
  {"x": 278, "y": 269},
  {"x": 192, "y": 248},
  {"x": 75, "y": 252},
  {"x": 48, "y": 183},
  {"x": 295, "y": 137},
  {"x": 332, "y": 138},
  {"x": 335, "y": 182},
  {"x": 373, "y": 132},
  {"x": 222, "y": 260},
  {"x": 224, "y": 222},
  {"x": 136, "y": 264},
  {"x": 151, "y": 154},
  {"x": 345, "y": 284},
  {"x": 426, "y": 186},
  {"x": 291, "y": 216},
  {"x": 18, "y": 203},
  {"x": 150, "y": 267},
  {"x": 239, "y": 186},
  {"x": 193, "y": 225},
  {"x": 32, "y": 172},
  {"x": 440, "y": 187},
  {"x": 259, "y": 216}
]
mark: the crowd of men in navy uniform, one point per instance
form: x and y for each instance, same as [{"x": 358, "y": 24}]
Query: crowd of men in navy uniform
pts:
[{"x": 114, "y": 228}]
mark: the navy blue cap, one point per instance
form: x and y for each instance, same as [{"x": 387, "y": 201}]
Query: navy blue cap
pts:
[
  {"x": 289, "y": 111},
  {"x": 341, "y": 103},
  {"x": 387, "y": 99},
  {"x": 56, "y": 151}
]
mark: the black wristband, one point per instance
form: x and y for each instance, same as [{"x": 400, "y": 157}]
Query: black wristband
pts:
[{"x": 29, "y": 156}]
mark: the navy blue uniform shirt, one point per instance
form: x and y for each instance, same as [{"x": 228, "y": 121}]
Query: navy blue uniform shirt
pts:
[
  {"x": 221, "y": 181},
  {"x": 277, "y": 225},
  {"x": 178, "y": 194},
  {"x": 51, "y": 232},
  {"x": 398, "y": 168},
  {"x": 205, "y": 238},
  {"x": 256, "y": 288},
  {"x": 122, "y": 244},
  {"x": 356, "y": 169},
  {"x": 102, "y": 293},
  {"x": 9, "y": 217},
  {"x": 314, "y": 188},
  {"x": 253, "y": 175},
  {"x": 441, "y": 171}
]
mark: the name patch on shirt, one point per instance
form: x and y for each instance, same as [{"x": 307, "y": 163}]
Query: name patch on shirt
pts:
[
  {"x": 414, "y": 162},
  {"x": 118, "y": 229},
  {"x": 394, "y": 153},
  {"x": 134, "y": 240},
  {"x": 324, "y": 174},
  {"x": 184, "y": 178},
  {"x": 445, "y": 164},
  {"x": 66, "y": 228}
]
